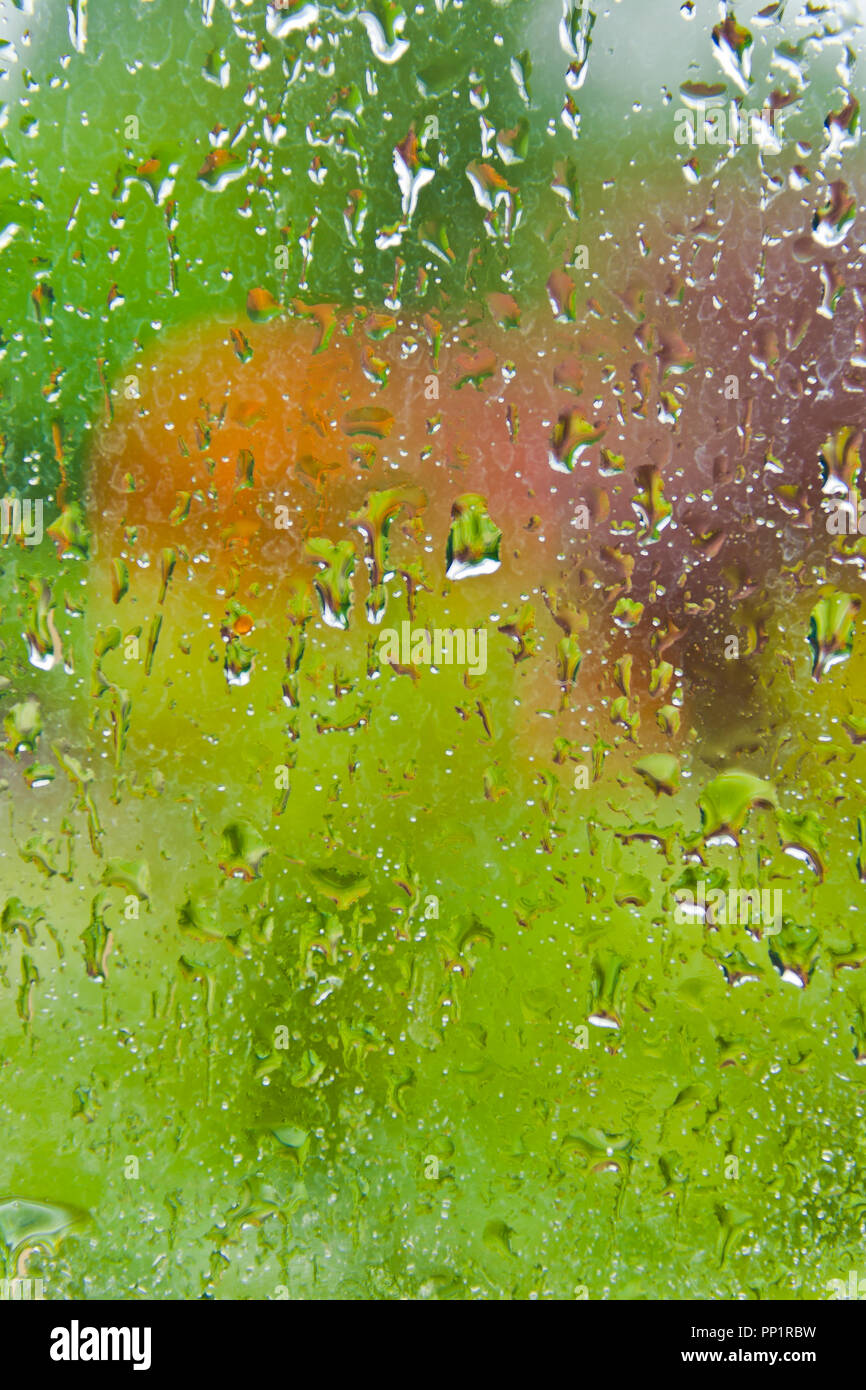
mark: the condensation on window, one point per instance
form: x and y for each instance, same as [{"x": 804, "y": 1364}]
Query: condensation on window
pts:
[{"x": 431, "y": 658}]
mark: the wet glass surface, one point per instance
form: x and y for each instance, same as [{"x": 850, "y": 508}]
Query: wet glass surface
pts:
[{"x": 430, "y": 649}]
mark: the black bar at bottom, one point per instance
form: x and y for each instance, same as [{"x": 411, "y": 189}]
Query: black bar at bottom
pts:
[{"x": 63, "y": 1339}]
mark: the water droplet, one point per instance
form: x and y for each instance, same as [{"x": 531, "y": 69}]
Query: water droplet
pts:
[{"x": 473, "y": 540}]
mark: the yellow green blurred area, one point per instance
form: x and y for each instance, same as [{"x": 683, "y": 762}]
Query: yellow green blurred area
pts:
[{"x": 339, "y": 342}]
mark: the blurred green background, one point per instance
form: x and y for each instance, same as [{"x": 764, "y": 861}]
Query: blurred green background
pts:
[{"x": 344, "y": 1046}]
